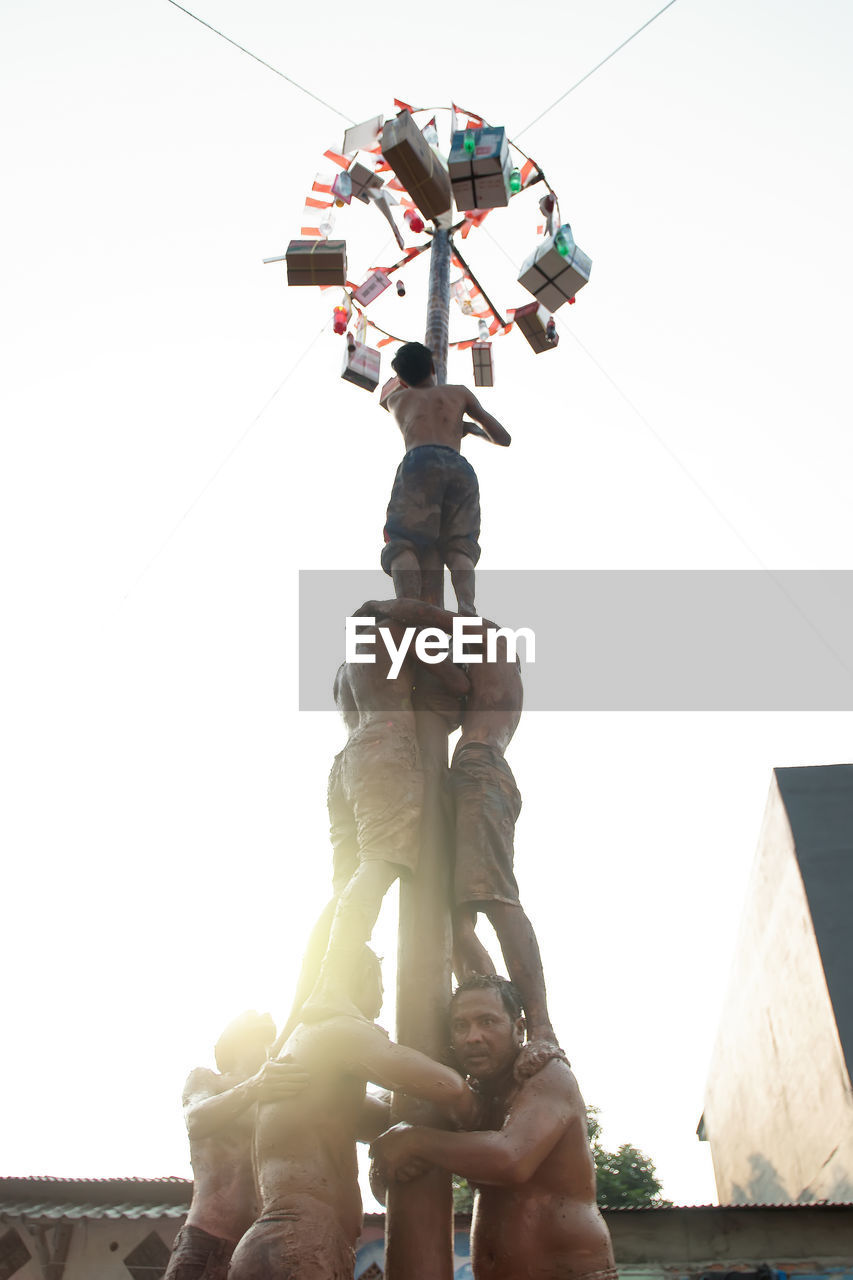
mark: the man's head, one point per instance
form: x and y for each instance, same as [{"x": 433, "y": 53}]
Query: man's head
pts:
[
  {"x": 486, "y": 1025},
  {"x": 243, "y": 1045},
  {"x": 365, "y": 983},
  {"x": 413, "y": 364}
]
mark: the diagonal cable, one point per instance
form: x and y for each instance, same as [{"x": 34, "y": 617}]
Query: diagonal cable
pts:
[
  {"x": 697, "y": 484},
  {"x": 228, "y": 456},
  {"x": 268, "y": 65},
  {"x": 578, "y": 83}
]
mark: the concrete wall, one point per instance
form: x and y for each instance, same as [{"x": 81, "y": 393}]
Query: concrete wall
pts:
[
  {"x": 97, "y": 1247},
  {"x": 651, "y": 1244},
  {"x": 778, "y": 1108}
]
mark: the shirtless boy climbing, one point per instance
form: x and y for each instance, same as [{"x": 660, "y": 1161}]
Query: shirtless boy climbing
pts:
[{"x": 435, "y": 501}]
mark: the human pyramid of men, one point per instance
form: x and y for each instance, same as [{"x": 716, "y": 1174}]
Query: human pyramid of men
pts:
[{"x": 273, "y": 1132}]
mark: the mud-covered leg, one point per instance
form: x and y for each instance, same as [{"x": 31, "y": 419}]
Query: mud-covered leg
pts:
[
  {"x": 354, "y": 918},
  {"x": 462, "y": 576},
  {"x": 524, "y": 964},
  {"x": 469, "y": 954},
  {"x": 406, "y": 576}
]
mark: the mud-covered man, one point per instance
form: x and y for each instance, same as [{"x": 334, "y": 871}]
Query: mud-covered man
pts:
[
  {"x": 219, "y": 1109},
  {"x": 305, "y": 1148},
  {"x": 435, "y": 500},
  {"x": 487, "y": 805},
  {"x": 530, "y": 1163},
  {"x": 375, "y": 799}
]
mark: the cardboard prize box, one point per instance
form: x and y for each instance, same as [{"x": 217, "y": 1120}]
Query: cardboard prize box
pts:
[
  {"x": 362, "y": 178},
  {"x": 416, "y": 165},
  {"x": 361, "y": 366},
  {"x": 484, "y": 371},
  {"x": 377, "y": 282},
  {"x": 551, "y": 277},
  {"x": 532, "y": 319},
  {"x": 317, "y": 262},
  {"x": 480, "y": 179}
]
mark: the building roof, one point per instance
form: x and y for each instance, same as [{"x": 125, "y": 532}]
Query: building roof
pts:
[
  {"x": 818, "y": 801},
  {"x": 72, "y": 1198}
]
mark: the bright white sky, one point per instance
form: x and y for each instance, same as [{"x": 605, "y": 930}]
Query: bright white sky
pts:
[{"x": 164, "y": 821}]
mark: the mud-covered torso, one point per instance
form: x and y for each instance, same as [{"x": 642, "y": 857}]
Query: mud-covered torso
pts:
[
  {"x": 494, "y": 702},
  {"x": 224, "y": 1202},
  {"x": 430, "y": 415},
  {"x": 305, "y": 1146},
  {"x": 549, "y": 1228}
]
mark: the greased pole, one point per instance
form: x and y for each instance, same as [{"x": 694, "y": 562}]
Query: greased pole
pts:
[{"x": 419, "y": 1220}]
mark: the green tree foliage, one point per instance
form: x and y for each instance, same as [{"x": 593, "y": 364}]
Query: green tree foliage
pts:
[
  {"x": 626, "y": 1177},
  {"x": 463, "y": 1196}
]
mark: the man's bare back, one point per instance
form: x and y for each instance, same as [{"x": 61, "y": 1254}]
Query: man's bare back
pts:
[
  {"x": 435, "y": 415},
  {"x": 494, "y": 702},
  {"x": 219, "y": 1108}
]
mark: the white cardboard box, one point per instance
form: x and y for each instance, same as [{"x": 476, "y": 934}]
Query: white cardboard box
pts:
[
  {"x": 552, "y": 278},
  {"x": 480, "y": 179},
  {"x": 361, "y": 366},
  {"x": 377, "y": 282}
]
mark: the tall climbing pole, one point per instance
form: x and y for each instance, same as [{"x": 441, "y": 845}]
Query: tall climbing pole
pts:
[{"x": 419, "y": 1219}]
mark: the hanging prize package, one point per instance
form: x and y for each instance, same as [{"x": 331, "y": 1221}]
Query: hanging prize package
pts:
[
  {"x": 416, "y": 165},
  {"x": 556, "y": 269},
  {"x": 361, "y": 362},
  {"x": 484, "y": 371},
  {"x": 316, "y": 262},
  {"x": 480, "y": 167},
  {"x": 362, "y": 179},
  {"x": 361, "y": 366},
  {"x": 534, "y": 321},
  {"x": 377, "y": 282}
]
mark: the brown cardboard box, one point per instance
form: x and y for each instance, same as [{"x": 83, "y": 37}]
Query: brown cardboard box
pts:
[
  {"x": 317, "y": 262},
  {"x": 484, "y": 370},
  {"x": 362, "y": 179},
  {"x": 361, "y": 366},
  {"x": 532, "y": 319},
  {"x": 416, "y": 165}
]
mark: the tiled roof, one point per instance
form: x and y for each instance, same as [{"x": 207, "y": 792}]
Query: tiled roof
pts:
[{"x": 72, "y": 1198}]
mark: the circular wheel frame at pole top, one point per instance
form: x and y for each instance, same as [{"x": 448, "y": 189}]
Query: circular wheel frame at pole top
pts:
[{"x": 395, "y": 164}]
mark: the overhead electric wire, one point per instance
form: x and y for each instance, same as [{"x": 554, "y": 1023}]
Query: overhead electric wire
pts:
[
  {"x": 227, "y": 458},
  {"x": 578, "y": 83},
  {"x": 268, "y": 65},
  {"x": 712, "y": 503}
]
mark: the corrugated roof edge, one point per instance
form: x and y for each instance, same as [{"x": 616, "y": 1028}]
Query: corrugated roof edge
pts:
[{"x": 175, "y": 1190}]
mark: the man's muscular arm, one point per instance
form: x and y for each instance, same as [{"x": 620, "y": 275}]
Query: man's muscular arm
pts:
[
  {"x": 545, "y": 1108},
  {"x": 208, "y": 1107},
  {"x": 493, "y": 429},
  {"x": 362, "y": 1049}
]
